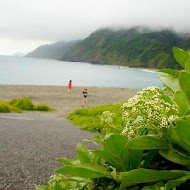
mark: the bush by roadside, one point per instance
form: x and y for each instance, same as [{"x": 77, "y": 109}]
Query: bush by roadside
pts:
[{"x": 21, "y": 104}]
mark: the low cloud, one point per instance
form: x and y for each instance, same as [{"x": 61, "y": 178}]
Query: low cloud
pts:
[{"x": 52, "y": 20}]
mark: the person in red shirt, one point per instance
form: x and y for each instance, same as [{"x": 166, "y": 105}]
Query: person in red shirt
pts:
[{"x": 70, "y": 84}]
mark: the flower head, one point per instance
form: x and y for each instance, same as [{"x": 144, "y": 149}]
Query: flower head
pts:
[{"x": 147, "y": 112}]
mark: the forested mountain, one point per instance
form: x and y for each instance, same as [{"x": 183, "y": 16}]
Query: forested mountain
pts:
[
  {"x": 135, "y": 47},
  {"x": 52, "y": 51}
]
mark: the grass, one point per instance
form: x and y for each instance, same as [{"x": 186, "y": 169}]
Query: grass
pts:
[
  {"x": 90, "y": 118},
  {"x": 22, "y": 104},
  {"x": 42, "y": 107},
  {"x": 6, "y": 108}
]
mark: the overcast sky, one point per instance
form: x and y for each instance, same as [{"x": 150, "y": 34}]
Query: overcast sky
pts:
[{"x": 26, "y": 24}]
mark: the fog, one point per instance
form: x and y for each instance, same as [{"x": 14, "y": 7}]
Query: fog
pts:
[{"x": 26, "y": 24}]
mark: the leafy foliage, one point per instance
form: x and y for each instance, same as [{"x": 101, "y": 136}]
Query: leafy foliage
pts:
[
  {"x": 148, "y": 112},
  {"x": 19, "y": 104},
  {"x": 90, "y": 118},
  {"x": 22, "y": 103},
  {"x": 151, "y": 160},
  {"x": 42, "y": 107},
  {"x": 6, "y": 108}
]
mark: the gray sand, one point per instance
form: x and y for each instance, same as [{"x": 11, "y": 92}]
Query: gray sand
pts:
[
  {"x": 31, "y": 141},
  {"x": 29, "y": 146},
  {"x": 64, "y": 103}
]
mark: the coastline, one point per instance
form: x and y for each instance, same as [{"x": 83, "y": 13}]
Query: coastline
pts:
[
  {"x": 64, "y": 103},
  {"x": 104, "y": 64}
]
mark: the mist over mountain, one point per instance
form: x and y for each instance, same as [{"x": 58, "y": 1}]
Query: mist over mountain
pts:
[
  {"x": 134, "y": 47},
  {"x": 52, "y": 51},
  {"x": 19, "y": 54}
]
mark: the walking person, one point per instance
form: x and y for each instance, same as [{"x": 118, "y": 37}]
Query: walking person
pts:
[
  {"x": 85, "y": 95},
  {"x": 70, "y": 84}
]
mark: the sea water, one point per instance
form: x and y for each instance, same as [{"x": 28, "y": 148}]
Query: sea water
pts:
[{"x": 33, "y": 71}]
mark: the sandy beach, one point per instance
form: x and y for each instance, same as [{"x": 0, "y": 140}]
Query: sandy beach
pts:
[{"x": 64, "y": 103}]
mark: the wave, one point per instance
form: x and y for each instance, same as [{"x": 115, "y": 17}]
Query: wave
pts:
[{"x": 150, "y": 71}]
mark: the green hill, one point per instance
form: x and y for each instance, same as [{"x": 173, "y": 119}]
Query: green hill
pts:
[
  {"x": 135, "y": 47},
  {"x": 52, "y": 51}
]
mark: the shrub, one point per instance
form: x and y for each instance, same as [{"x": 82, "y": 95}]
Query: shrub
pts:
[
  {"x": 4, "y": 107},
  {"x": 149, "y": 160},
  {"x": 90, "y": 118},
  {"x": 19, "y": 104},
  {"x": 42, "y": 107},
  {"x": 150, "y": 109},
  {"x": 22, "y": 103}
]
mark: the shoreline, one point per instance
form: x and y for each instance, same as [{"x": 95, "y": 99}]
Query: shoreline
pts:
[
  {"x": 104, "y": 64},
  {"x": 65, "y": 86},
  {"x": 64, "y": 103}
]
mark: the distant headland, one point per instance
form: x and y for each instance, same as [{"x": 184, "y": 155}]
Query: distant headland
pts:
[{"x": 133, "y": 47}]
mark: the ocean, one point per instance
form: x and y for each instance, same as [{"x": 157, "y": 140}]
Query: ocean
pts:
[{"x": 33, "y": 71}]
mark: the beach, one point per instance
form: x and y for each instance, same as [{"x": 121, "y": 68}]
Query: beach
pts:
[
  {"x": 31, "y": 141},
  {"x": 64, "y": 103}
]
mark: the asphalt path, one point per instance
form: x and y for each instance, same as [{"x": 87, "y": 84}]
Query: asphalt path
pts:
[{"x": 29, "y": 146}]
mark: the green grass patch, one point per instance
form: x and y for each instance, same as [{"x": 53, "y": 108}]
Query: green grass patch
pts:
[
  {"x": 90, "y": 118},
  {"x": 42, "y": 107},
  {"x": 4, "y": 107},
  {"x": 21, "y": 104}
]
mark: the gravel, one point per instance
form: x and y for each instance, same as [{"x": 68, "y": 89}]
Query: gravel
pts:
[{"x": 30, "y": 144}]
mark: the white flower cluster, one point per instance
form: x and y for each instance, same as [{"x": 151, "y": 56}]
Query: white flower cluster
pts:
[
  {"x": 147, "y": 112},
  {"x": 106, "y": 117}
]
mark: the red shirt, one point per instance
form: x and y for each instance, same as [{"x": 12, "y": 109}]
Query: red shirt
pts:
[{"x": 70, "y": 84}]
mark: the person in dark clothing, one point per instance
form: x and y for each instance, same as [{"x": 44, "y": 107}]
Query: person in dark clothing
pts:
[{"x": 85, "y": 95}]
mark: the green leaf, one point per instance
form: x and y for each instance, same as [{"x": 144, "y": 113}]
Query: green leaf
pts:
[
  {"x": 135, "y": 158},
  {"x": 176, "y": 156},
  {"x": 187, "y": 65},
  {"x": 147, "y": 143},
  {"x": 83, "y": 171},
  {"x": 175, "y": 183},
  {"x": 96, "y": 140},
  {"x": 156, "y": 186},
  {"x": 184, "y": 81},
  {"x": 64, "y": 161},
  {"x": 83, "y": 154},
  {"x": 148, "y": 158},
  {"x": 181, "y": 101},
  {"x": 171, "y": 82},
  {"x": 117, "y": 153},
  {"x": 180, "y": 55},
  {"x": 167, "y": 98},
  {"x": 57, "y": 186},
  {"x": 180, "y": 134},
  {"x": 169, "y": 71},
  {"x": 146, "y": 176},
  {"x": 41, "y": 187}
]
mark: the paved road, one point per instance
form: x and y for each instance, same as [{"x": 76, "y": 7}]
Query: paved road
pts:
[{"x": 29, "y": 145}]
